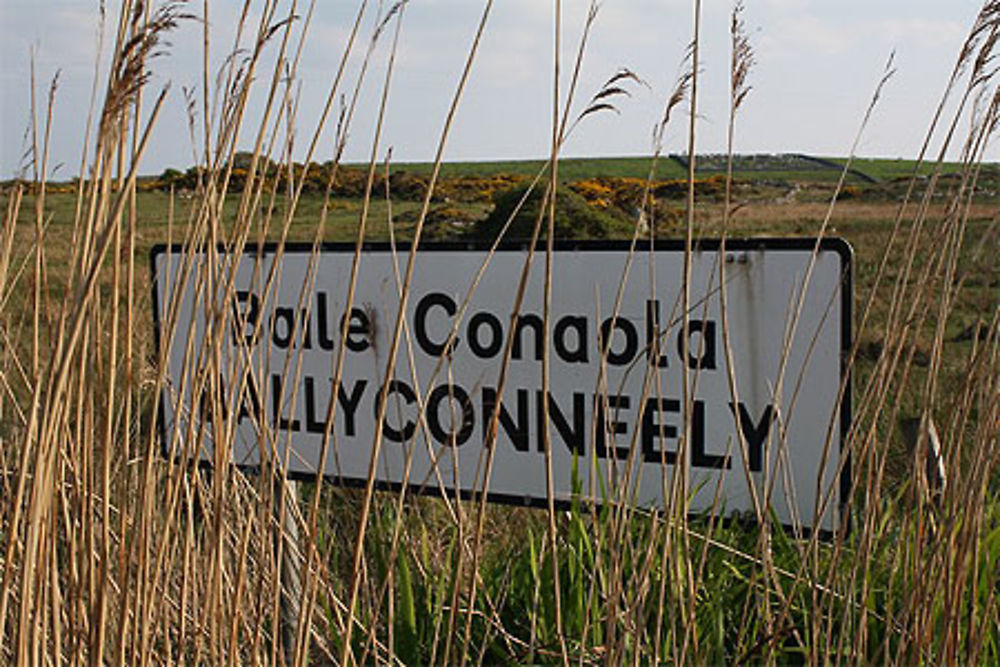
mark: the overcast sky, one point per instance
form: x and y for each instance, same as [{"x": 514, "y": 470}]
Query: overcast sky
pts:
[{"x": 818, "y": 62}]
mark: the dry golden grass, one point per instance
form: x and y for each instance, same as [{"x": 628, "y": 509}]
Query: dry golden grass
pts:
[{"x": 114, "y": 553}]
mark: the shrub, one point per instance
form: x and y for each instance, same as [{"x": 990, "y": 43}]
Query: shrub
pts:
[{"x": 574, "y": 219}]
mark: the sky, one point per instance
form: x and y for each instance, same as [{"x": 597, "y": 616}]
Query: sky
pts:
[{"x": 817, "y": 63}]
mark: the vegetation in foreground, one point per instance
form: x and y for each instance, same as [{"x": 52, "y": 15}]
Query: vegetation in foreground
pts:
[{"x": 111, "y": 553}]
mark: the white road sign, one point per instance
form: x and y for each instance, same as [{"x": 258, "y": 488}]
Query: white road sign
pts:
[{"x": 616, "y": 396}]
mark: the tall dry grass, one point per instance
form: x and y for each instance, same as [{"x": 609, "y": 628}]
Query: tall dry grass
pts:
[{"x": 113, "y": 552}]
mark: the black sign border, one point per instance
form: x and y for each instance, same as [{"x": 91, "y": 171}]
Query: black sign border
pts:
[{"x": 826, "y": 244}]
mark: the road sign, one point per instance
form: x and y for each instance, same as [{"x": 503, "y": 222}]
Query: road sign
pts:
[{"x": 746, "y": 408}]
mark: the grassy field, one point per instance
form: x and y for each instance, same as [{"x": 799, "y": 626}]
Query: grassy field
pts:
[
  {"x": 513, "y": 561},
  {"x": 764, "y": 167},
  {"x": 570, "y": 169},
  {"x": 111, "y": 552},
  {"x": 884, "y": 169}
]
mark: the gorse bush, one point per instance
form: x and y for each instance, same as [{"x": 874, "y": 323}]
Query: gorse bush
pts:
[
  {"x": 120, "y": 544},
  {"x": 574, "y": 218}
]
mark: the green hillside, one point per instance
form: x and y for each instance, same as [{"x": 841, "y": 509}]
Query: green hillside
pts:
[{"x": 784, "y": 166}]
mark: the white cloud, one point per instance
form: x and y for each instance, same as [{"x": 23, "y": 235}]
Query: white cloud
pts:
[
  {"x": 805, "y": 34},
  {"x": 921, "y": 32}
]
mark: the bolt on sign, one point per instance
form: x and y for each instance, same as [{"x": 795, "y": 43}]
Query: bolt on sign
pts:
[{"x": 742, "y": 409}]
